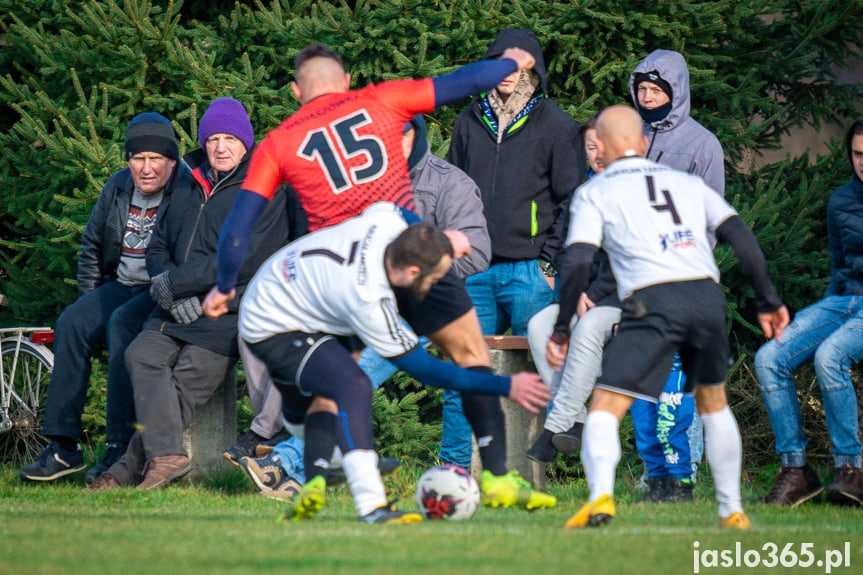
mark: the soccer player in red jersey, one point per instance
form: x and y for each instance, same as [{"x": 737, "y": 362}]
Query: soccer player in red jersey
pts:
[{"x": 341, "y": 152}]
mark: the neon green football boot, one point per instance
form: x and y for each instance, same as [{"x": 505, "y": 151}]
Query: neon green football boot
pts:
[{"x": 511, "y": 490}]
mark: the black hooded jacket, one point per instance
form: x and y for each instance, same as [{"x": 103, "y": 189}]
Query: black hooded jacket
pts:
[{"x": 528, "y": 177}]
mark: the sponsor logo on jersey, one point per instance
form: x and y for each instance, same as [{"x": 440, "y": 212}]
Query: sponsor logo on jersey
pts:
[
  {"x": 289, "y": 266},
  {"x": 677, "y": 239},
  {"x": 363, "y": 272}
]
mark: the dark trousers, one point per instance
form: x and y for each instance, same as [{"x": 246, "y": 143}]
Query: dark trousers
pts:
[
  {"x": 170, "y": 379},
  {"x": 113, "y": 313}
]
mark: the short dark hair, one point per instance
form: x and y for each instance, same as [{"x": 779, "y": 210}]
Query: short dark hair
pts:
[
  {"x": 855, "y": 130},
  {"x": 420, "y": 245},
  {"x": 315, "y": 51}
]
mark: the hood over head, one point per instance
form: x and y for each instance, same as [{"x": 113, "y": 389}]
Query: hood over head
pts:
[
  {"x": 421, "y": 144},
  {"x": 670, "y": 67},
  {"x": 524, "y": 39}
]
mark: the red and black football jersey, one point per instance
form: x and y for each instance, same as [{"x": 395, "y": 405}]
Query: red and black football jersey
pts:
[{"x": 342, "y": 152}]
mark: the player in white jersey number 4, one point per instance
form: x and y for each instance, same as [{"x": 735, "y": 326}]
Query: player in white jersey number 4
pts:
[
  {"x": 297, "y": 316},
  {"x": 655, "y": 223}
]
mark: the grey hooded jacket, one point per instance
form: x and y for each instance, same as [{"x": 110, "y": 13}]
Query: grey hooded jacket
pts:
[
  {"x": 448, "y": 199},
  {"x": 677, "y": 140}
]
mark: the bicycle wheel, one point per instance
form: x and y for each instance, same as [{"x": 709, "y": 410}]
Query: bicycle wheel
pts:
[{"x": 28, "y": 390}]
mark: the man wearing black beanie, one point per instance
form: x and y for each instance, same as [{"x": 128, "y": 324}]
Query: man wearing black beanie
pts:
[
  {"x": 660, "y": 92},
  {"x": 113, "y": 298}
]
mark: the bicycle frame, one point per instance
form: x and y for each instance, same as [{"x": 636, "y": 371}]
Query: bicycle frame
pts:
[{"x": 37, "y": 336}]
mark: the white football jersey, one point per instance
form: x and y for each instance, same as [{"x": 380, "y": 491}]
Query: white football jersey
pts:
[
  {"x": 653, "y": 221},
  {"x": 332, "y": 281}
]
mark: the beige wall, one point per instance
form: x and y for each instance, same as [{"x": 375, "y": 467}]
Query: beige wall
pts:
[{"x": 815, "y": 140}]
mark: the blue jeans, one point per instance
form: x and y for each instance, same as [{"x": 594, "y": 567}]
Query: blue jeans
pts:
[
  {"x": 661, "y": 428},
  {"x": 506, "y": 295},
  {"x": 290, "y": 452},
  {"x": 830, "y": 332},
  {"x": 112, "y": 313}
]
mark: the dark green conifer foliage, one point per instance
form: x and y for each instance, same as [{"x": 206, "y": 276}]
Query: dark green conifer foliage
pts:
[{"x": 73, "y": 73}]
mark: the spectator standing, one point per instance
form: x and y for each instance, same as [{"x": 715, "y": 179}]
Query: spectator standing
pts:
[{"x": 521, "y": 150}]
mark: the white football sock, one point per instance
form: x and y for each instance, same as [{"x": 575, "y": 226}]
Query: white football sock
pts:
[
  {"x": 724, "y": 454},
  {"x": 600, "y": 452},
  {"x": 361, "y": 469}
]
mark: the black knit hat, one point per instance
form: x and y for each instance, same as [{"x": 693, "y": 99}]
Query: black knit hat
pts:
[
  {"x": 653, "y": 76},
  {"x": 151, "y": 132}
]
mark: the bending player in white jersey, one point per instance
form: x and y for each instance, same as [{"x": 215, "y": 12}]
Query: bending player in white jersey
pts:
[
  {"x": 654, "y": 223},
  {"x": 336, "y": 283}
]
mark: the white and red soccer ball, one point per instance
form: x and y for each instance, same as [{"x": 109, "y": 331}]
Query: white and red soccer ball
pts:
[{"x": 447, "y": 492}]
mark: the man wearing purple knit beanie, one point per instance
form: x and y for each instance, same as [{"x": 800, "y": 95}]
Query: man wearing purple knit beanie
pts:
[
  {"x": 180, "y": 359},
  {"x": 225, "y": 134}
]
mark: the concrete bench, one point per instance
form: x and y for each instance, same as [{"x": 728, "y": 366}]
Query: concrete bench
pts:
[
  {"x": 511, "y": 354},
  {"x": 213, "y": 429}
]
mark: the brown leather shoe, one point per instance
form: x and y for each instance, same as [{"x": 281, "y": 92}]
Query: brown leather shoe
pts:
[
  {"x": 847, "y": 486},
  {"x": 103, "y": 482},
  {"x": 160, "y": 471},
  {"x": 794, "y": 485}
]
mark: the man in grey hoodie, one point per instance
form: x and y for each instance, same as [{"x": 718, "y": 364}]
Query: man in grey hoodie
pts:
[{"x": 660, "y": 92}]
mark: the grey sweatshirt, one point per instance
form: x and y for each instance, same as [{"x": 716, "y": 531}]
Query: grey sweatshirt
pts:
[{"x": 447, "y": 198}]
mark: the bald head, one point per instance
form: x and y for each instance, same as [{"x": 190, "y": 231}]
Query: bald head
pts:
[
  {"x": 619, "y": 131},
  {"x": 319, "y": 71}
]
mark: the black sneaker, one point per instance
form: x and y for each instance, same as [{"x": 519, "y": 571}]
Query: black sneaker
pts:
[
  {"x": 655, "y": 489},
  {"x": 266, "y": 447},
  {"x": 253, "y": 445},
  {"x": 388, "y": 515},
  {"x": 847, "y": 486},
  {"x": 386, "y": 466},
  {"x": 113, "y": 452},
  {"x": 569, "y": 441},
  {"x": 794, "y": 485},
  {"x": 53, "y": 463},
  {"x": 243, "y": 447},
  {"x": 677, "y": 490},
  {"x": 542, "y": 451}
]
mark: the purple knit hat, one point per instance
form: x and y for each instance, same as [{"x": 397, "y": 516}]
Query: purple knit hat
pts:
[{"x": 226, "y": 116}]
